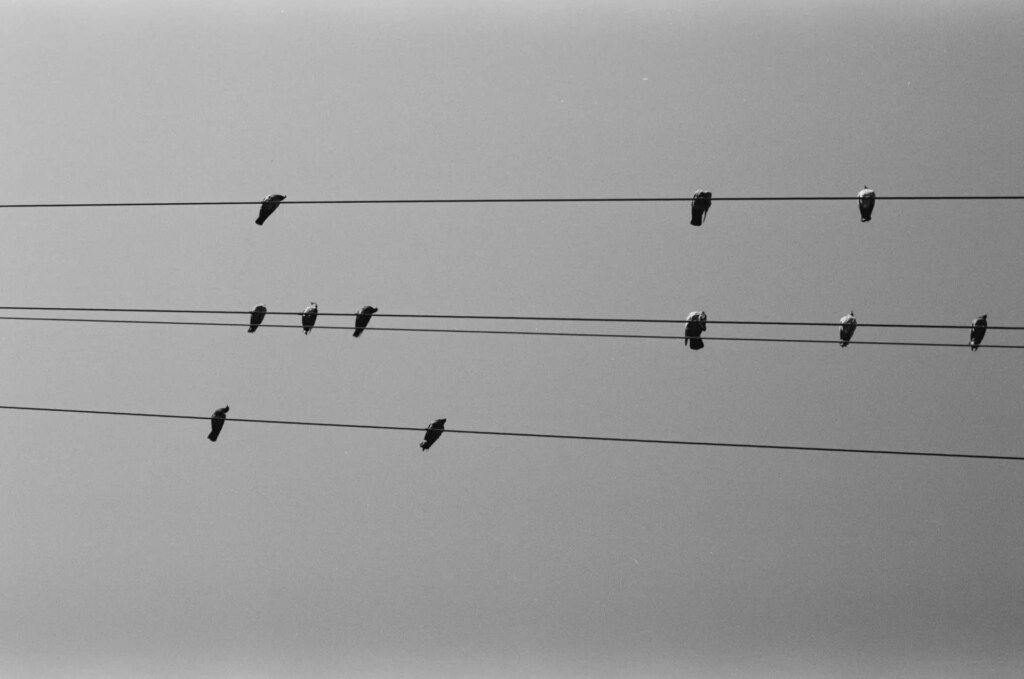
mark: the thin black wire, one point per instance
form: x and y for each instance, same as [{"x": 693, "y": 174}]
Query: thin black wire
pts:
[
  {"x": 420, "y": 201},
  {"x": 505, "y": 332},
  {"x": 572, "y": 437},
  {"x": 561, "y": 319}
]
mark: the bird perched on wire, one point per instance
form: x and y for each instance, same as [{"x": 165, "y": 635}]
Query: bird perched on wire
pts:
[
  {"x": 847, "y": 325},
  {"x": 270, "y": 204},
  {"x": 699, "y": 207},
  {"x": 696, "y": 323},
  {"x": 217, "y": 422},
  {"x": 978, "y": 328},
  {"x": 363, "y": 318},
  {"x": 309, "y": 317},
  {"x": 259, "y": 312},
  {"x": 433, "y": 433},
  {"x": 866, "y": 203}
]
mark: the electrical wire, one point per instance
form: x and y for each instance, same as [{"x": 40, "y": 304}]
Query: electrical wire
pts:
[
  {"x": 421, "y": 201},
  {"x": 378, "y": 328},
  {"x": 571, "y": 437},
  {"x": 560, "y": 319}
]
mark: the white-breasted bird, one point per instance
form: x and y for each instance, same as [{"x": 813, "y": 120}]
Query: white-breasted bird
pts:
[
  {"x": 259, "y": 312},
  {"x": 847, "y": 325},
  {"x": 696, "y": 323},
  {"x": 268, "y": 206},
  {"x": 217, "y": 422},
  {"x": 978, "y": 328},
  {"x": 699, "y": 207},
  {"x": 309, "y": 317},
  {"x": 363, "y": 318},
  {"x": 433, "y": 433},
  {"x": 866, "y": 203}
]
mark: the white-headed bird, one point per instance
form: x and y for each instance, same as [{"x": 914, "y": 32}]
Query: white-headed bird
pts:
[
  {"x": 847, "y": 325},
  {"x": 217, "y": 422},
  {"x": 866, "y": 203},
  {"x": 309, "y": 317},
  {"x": 978, "y": 328},
  {"x": 433, "y": 433},
  {"x": 268, "y": 206},
  {"x": 696, "y": 323},
  {"x": 363, "y": 318},
  {"x": 259, "y": 312},
  {"x": 699, "y": 207}
]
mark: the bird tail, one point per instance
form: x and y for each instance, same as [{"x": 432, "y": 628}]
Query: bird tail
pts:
[
  {"x": 252, "y": 328},
  {"x": 358, "y": 332},
  {"x": 696, "y": 343},
  {"x": 260, "y": 221},
  {"x": 424, "y": 445},
  {"x": 212, "y": 436}
]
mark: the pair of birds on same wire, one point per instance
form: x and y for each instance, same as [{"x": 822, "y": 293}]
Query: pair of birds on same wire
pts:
[
  {"x": 432, "y": 434},
  {"x": 696, "y": 323},
  {"x": 848, "y": 324},
  {"x": 259, "y": 312},
  {"x": 701, "y": 203}
]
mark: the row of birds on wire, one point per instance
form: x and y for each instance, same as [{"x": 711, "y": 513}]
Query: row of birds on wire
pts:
[
  {"x": 696, "y": 324},
  {"x": 699, "y": 206}
]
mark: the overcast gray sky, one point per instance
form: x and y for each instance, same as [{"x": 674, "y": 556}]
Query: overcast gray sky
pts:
[{"x": 136, "y": 548}]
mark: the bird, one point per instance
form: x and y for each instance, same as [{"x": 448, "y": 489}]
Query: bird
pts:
[
  {"x": 434, "y": 432},
  {"x": 978, "y": 328},
  {"x": 309, "y": 318},
  {"x": 866, "y": 202},
  {"x": 259, "y": 312},
  {"x": 699, "y": 207},
  {"x": 217, "y": 422},
  {"x": 849, "y": 324},
  {"x": 268, "y": 206},
  {"x": 696, "y": 323},
  {"x": 362, "y": 318}
]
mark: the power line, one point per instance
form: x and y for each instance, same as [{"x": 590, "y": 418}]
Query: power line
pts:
[
  {"x": 571, "y": 437},
  {"x": 424, "y": 201},
  {"x": 560, "y": 319},
  {"x": 378, "y": 328}
]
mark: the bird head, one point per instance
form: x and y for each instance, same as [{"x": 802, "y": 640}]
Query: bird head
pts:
[
  {"x": 440, "y": 423},
  {"x": 227, "y": 408}
]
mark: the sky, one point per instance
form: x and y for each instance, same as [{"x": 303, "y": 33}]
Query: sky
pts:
[{"x": 135, "y": 547}]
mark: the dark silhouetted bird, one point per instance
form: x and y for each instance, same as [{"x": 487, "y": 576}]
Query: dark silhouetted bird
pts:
[
  {"x": 849, "y": 324},
  {"x": 696, "y": 323},
  {"x": 259, "y": 312},
  {"x": 363, "y": 318},
  {"x": 699, "y": 207},
  {"x": 866, "y": 203},
  {"x": 217, "y": 422},
  {"x": 434, "y": 432},
  {"x": 309, "y": 317},
  {"x": 978, "y": 328},
  {"x": 270, "y": 204}
]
